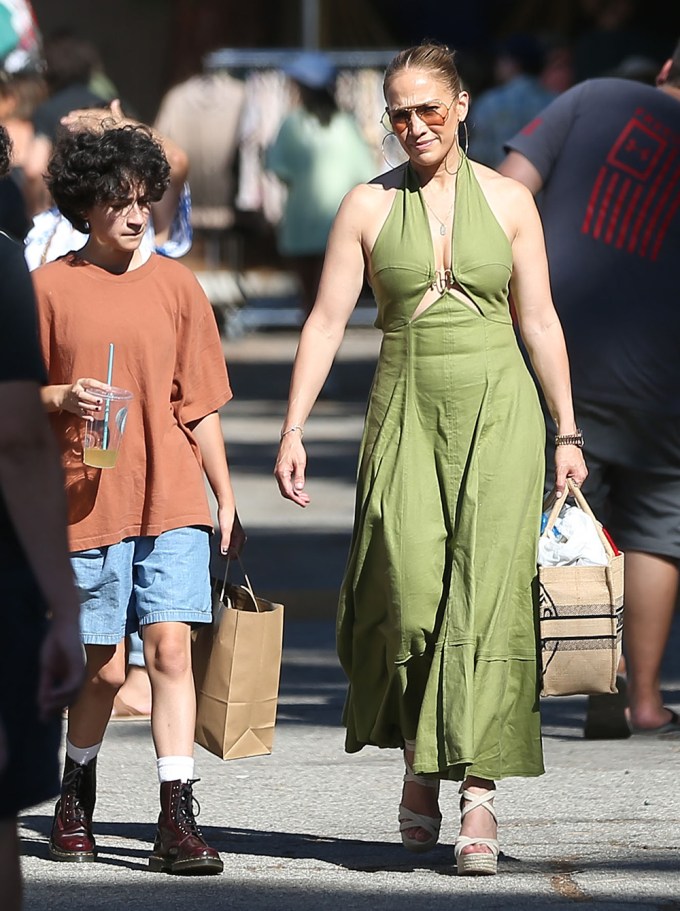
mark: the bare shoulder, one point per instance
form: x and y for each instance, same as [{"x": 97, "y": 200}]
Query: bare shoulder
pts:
[
  {"x": 366, "y": 206},
  {"x": 371, "y": 196}
]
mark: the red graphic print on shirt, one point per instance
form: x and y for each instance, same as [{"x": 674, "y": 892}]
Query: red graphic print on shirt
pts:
[
  {"x": 532, "y": 126},
  {"x": 636, "y": 193}
]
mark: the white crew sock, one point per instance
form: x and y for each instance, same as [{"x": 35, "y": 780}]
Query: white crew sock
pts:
[
  {"x": 174, "y": 768},
  {"x": 84, "y": 755}
]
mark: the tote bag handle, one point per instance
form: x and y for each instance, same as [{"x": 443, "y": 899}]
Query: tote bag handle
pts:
[{"x": 571, "y": 489}]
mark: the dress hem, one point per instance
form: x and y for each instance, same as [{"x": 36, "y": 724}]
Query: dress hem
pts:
[{"x": 461, "y": 770}]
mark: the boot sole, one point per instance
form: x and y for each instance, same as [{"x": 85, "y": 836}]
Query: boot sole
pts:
[
  {"x": 73, "y": 857},
  {"x": 187, "y": 867}
]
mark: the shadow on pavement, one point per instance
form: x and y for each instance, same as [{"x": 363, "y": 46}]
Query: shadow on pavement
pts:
[
  {"x": 313, "y": 684},
  {"x": 133, "y": 858},
  {"x": 332, "y": 460},
  {"x": 350, "y": 379},
  {"x": 348, "y": 853},
  {"x": 567, "y": 714},
  {"x": 280, "y": 561}
]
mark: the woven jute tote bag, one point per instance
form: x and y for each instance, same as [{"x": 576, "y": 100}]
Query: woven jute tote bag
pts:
[{"x": 580, "y": 617}]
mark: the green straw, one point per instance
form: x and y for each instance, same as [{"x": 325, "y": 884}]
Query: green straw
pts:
[{"x": 107, "y": 407}]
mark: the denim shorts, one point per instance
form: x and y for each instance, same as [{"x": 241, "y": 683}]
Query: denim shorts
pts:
[{"x": 141, "y": 580}]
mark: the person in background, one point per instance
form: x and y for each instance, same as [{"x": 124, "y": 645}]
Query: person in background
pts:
[
  {"x": 603, "y": 157},
  {"x": 614, "y": 31},
  {"x": 202, "y": 116},
  {"x": 437, "y": 617},
  {"x": 138, "y": 532},
  {"x": 517, "y": 97},
  {"x": 69, "y": 65},
  {"x": 20, "y": 93},
  {"x": 320, "y": 154},
  {"x": 42, "y": 670},
  {"x": 20, "y": 39}
]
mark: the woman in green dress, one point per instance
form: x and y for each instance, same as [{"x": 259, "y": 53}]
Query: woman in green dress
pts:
[{"x": 437, "y": 618}]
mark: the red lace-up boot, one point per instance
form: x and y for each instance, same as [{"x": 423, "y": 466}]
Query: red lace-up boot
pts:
[
  {"x": 179, "y": 846},
  {"x": 71, "y": 837}
]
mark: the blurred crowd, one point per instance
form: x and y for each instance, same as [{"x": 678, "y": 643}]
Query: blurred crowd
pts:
[{"x": 230, "y": 122}]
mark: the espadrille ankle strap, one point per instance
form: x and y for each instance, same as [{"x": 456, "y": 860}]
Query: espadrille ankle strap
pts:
[
  {"x": 423, "y": 780},
  {"x": 470, "y": 802}
]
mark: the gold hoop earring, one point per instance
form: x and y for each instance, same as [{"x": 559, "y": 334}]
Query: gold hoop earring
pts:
[
  {"x": 389, "y": 163},
  {"x": 463, "y": 151}
]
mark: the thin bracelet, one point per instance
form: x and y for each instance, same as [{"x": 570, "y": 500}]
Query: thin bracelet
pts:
[
  {"x": 291, "y": 429},
  {"x": 570, "y": 439}
]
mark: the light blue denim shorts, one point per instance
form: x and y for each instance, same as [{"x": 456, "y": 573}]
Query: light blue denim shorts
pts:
[{"x": 143, "y": 580}]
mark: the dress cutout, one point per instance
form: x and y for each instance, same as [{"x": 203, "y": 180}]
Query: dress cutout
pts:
[{"x": 437, "y": 621}]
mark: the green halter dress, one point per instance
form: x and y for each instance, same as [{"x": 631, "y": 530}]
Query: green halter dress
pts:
[{"x": 437, "y": 621}]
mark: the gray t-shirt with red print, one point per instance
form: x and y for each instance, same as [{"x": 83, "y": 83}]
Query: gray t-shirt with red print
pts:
[{"x": 608, "y": 151}]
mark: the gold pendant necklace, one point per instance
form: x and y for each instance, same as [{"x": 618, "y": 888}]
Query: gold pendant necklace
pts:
[{"x": 442, "y": 224}]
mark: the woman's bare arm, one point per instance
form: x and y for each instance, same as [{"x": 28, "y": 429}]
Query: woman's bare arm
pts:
[
  {"x": 541, "y": 329},
  {"x": 339, "y": 289}
]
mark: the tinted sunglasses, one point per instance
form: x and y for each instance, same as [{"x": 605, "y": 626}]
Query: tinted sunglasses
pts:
[{"x": 432, "y": 114}]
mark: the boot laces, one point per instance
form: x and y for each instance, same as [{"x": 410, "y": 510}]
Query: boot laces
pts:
[
  {"x": 189, "y": 807},
  {"x": 71, "y": 788}
]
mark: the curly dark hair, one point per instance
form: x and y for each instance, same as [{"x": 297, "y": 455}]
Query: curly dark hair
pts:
[
  {"x": 90, "y": 168},
  {"x": 5, "y": 152}
]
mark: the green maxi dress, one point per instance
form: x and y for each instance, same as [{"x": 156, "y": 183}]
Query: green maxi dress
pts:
[{"x": 437, "y": 617}]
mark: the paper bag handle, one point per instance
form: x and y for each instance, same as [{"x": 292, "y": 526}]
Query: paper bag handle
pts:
[
  {"x": 571, "y": 489},
  {"x": 248, "y": 586}
]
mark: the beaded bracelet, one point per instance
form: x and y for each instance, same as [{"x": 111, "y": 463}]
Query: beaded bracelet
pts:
[
  {"x": 291, "y": 429},
  {"x": 570, "y": 439}
]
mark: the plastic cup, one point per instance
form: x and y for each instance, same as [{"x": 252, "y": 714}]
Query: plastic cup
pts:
[{"x": 104, "y": 430}]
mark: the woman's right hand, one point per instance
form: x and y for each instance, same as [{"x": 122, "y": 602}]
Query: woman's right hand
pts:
[
  {"x": 78, "y": 400},
  {"x": 289, "y": 470},
  {"x": 96, "y": 119}
]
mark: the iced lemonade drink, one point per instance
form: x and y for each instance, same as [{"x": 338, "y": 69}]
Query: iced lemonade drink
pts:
[{"x": 104, "y": 429}]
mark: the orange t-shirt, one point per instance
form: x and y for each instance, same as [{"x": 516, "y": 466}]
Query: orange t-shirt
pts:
[{"x": 168, "y": 353}]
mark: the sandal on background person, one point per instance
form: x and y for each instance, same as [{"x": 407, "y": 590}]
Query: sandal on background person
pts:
[
  {"x": 476, "y": 863},
  {"x": 133, "y": 700},
  {"x": 124, "y": 712},
  {"x": 607, "y": 717},
  {"x": 409, "y": 819},
  {"x": 672, "y": 726}
]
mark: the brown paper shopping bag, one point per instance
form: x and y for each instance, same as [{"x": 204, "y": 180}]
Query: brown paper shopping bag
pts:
[
  {"x": 237, "y": 664},
  {"x": 580, "y": 618}
]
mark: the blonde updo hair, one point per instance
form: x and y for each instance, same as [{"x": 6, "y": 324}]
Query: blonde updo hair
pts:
[{"x": 437, "y": 58}]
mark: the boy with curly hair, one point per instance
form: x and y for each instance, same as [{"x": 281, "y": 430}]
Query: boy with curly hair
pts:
[{"x": 138, "y": 532}]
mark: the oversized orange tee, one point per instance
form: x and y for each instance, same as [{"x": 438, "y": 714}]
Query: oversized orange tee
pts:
[{"x": 168, "y": 353}]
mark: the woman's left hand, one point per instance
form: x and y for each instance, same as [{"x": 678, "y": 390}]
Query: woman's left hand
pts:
[
  {"x": 569, "y": 463},
  {"x": 232, "y": 536}
]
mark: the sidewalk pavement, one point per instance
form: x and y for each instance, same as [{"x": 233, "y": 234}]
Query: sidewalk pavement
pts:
[{"x": 310, "y": 827}]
